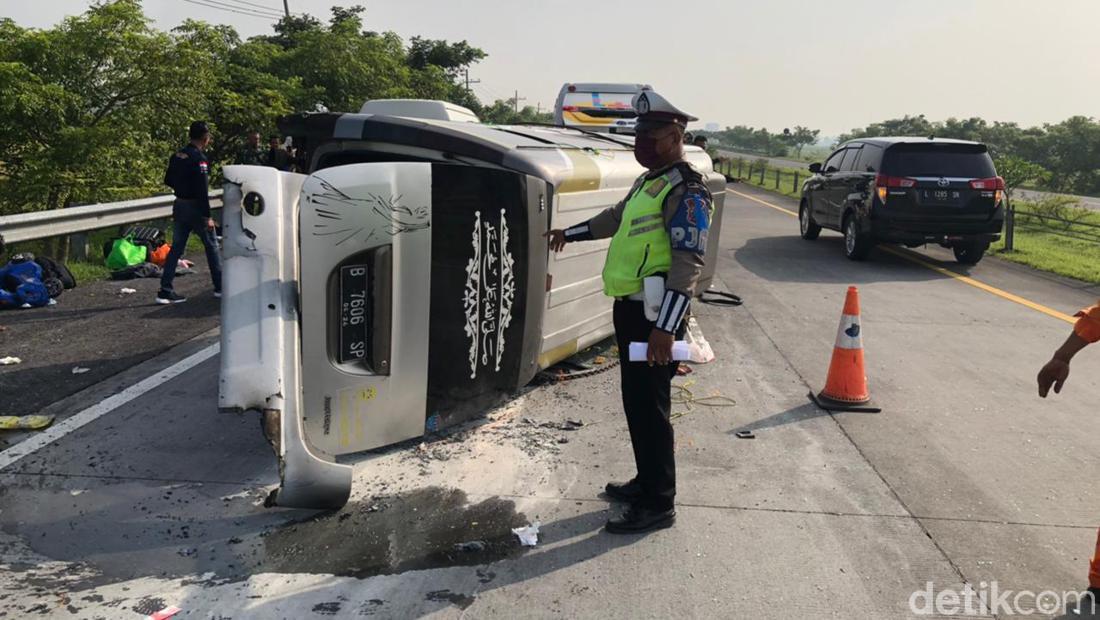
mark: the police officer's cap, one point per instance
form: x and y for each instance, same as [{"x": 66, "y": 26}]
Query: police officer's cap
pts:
[
  {"x": 653, "y": 110},
  {"x": 198, "y": 130}
]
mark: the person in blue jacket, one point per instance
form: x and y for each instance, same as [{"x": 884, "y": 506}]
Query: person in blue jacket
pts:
[{"x": 188, "y": 175}]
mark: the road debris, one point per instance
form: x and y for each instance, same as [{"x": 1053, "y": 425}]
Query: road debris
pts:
[
  {"x": 528, "y": 536},
  {"x": 10, "y": 361},
  {"x": 682, "y": 395},
  {"x": 745, "y": 435},
  {"x": 25, "y": 422},
  {"x": 165, "y": 613},
  {"x": 126, "y": 291},
  {"x": 79, "y": 370},
  {"x": 472, "y": 546},
  {"x": 76, "y": 492}
]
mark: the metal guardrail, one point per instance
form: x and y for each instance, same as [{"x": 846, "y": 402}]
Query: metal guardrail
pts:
[{"x": 44, "y": 224}]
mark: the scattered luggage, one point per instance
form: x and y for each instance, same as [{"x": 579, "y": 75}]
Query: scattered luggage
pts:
[
  {"x": 21, "y": 283},
  {"x": 140, "y": 270},
  {"x": 125, "y": 253},
  {"x": 52, "y": 269}
]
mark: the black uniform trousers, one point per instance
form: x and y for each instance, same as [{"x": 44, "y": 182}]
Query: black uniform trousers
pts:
[{"x": 646, "y": 392}]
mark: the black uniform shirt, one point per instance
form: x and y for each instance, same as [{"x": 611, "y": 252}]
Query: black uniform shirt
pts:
[{"x": 188, "y": 175}]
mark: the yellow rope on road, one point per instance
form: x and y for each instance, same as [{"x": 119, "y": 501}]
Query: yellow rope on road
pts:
[{"x": 682, "y": 395}]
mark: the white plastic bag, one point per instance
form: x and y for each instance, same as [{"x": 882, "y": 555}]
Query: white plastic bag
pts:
[{"x": 701, "y": 353}]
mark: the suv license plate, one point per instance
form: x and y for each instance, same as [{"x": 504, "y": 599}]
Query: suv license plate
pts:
[
  {"x": 942, "y": 195},
  {"x": 354, "y": 314}
]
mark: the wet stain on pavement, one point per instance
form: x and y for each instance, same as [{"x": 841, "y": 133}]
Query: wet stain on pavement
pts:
[
  {"x": 433, "y": 527},
  {"x": 446, "y": 596},
  {"x": 327, "y": 609},
  {"x": 149, "y": 606}
]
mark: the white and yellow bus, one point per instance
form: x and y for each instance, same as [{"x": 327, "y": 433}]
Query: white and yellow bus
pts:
[{"x": 597, "y": 107}]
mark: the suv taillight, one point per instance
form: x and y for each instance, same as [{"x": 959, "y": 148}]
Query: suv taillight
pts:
[
  {"x": 988, "y": 184},
  {"x": 993, "y": 184},
  {"x": 882, "y": 182}
]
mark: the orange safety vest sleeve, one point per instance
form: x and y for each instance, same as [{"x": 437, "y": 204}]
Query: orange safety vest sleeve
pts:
[{"x": 1087, "y": 326}]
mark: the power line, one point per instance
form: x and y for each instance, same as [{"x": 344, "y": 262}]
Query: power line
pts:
[
  {"x": 239, "y": 12},
  {"x": 265, "y": 7},
  {"x": 225, "y": 4}
]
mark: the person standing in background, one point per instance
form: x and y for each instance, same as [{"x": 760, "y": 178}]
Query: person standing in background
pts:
[
  {"x": 277, "y": 157},
  {"x": 250, "y": 154},
  {"x": 188, "y": 175}
]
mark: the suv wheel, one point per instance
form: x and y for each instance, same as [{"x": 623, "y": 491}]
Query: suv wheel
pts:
[
  {"x": 857, "y": 245},
  {"x": 810, "y": 230},
  {"x": 970, "y": 253}
]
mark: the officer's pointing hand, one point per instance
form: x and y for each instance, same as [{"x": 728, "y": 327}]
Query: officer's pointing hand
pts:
[
  {"x": 557, "y": 239},
  {"x": 660, "y": 347}
]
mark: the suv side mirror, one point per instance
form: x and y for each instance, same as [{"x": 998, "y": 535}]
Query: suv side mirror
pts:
[{"x": 815, "y": 168}]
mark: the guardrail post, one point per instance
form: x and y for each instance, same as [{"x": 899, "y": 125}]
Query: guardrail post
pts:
[
  {"x": 777, "y": 178},
  {"x": 740, "y": 162},
  {"x": 794, "y": 186},
  {"x": 78, "y": 246},
  {"x": 763, "y": 169},
  {"x": 1010, "y": 228},
  {"x": 749, "y": 177}
]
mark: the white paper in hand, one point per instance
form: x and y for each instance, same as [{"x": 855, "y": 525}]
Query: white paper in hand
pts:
[{"x": 681, "y": 351}]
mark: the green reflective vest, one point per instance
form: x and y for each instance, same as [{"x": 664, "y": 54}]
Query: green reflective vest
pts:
[{"x": 641, "y": 247}]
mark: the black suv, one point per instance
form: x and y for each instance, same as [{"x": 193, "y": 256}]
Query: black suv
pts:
[{"x": 906, "y": 190}]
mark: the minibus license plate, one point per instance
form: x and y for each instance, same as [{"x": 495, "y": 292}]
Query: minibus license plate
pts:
[{"x": 354, "y": 313}]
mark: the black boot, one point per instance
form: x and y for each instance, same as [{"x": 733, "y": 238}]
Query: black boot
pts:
[
  {"x": 624, "y": 491},
  {"x": 637, "y": 520}
]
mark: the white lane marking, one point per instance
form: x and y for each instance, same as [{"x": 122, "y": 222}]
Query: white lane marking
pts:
[{"x": 107, "y": 405}]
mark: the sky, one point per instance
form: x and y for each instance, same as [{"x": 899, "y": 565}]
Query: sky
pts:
[{"x": 832, "y": 65}]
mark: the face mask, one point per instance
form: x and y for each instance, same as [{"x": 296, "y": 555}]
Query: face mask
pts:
[{"x": 645, "y": 151}]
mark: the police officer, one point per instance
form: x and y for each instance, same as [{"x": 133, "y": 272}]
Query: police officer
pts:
[
  {"x": 659, "y": 229},
  {"x": 188, "y": 175}
]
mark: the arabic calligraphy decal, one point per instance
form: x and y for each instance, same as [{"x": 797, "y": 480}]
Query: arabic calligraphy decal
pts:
[{"x": 489, "y": 293}]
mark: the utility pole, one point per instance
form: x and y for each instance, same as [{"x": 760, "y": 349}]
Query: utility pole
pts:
[
  {"x": 469, "y": 81},
  {"x": 515, "y": 102},
  {"x": 286, "y": 7}
]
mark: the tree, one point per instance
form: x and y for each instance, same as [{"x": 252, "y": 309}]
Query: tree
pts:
[
  {"x": 1018, "y": 172},
  {"x": 89, "y": 107},
  {"x": 906, "y": 126},
  {"x": 800, "y": 137},
  {"x": 452, "y": 58},
  {"x": 503, "y": 112}
]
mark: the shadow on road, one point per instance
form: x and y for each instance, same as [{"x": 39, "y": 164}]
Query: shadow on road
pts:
[
  {"x": 790, "y": 258},
  {"x": 809, "y": 411}
]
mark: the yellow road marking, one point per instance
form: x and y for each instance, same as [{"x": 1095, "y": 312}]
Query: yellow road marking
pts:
[{"x": 913, "y": 258}]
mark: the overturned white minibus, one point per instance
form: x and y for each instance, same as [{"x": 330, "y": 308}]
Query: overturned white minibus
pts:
[{"x": 404, "y": 283}]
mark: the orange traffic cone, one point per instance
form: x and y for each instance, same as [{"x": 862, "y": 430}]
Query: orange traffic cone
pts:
[{"x": 846, "y": 385}]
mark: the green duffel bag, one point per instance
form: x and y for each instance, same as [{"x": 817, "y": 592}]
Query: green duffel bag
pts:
[{"x": 124, "y": 253}]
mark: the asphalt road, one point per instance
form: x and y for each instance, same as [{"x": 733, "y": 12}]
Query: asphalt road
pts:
[
  {"x": 93, "y": 333},
  {"x": 966, "y": 476}
]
